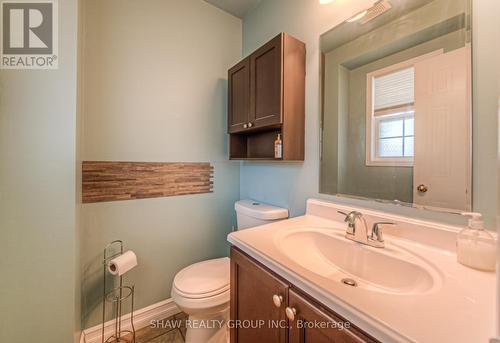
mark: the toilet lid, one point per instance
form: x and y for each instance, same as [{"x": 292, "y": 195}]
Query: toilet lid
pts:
[{"x": 203, "y": 279}]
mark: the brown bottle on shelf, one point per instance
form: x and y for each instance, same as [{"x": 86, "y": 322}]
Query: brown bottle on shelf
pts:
[{"x": 278, "y": 147}]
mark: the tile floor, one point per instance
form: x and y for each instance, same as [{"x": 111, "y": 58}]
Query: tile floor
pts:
[{"x": 164, "y": 333}]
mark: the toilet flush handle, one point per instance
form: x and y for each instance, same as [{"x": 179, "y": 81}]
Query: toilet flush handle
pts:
[{"x": 277, "y": 300}]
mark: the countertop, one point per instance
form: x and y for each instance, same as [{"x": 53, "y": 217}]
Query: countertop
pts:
[{"x": 461, "y": 309}]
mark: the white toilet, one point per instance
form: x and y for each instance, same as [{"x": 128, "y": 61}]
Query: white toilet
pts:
[{"x": 201, "y": 290}]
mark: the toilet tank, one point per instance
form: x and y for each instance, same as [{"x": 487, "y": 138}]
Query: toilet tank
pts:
[{"x": 251, "y": 213}]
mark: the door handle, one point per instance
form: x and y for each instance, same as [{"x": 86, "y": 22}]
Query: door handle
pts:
[{"x": 422, "y": 188}]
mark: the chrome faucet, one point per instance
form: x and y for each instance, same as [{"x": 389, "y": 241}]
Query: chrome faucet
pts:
[
  {"x": 360, "y": 234},
  {"x": 350, "y": 219}
]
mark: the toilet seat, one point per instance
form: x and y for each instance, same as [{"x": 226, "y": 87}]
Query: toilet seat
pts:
[
  {"x": 203, "y": 286},
  {"x": 203, "y": 279}
]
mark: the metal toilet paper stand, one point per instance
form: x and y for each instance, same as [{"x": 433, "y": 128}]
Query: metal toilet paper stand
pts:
[{"x": 116, "y": 297}]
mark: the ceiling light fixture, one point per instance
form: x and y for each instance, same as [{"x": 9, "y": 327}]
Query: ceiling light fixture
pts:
[
  {"x": 357, "y": 16},
  {"x": 324, "y": 2}
]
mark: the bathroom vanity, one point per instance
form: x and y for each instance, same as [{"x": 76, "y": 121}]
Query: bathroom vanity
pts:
[
  {"x": 260, "y": 295},
  {"x": 306, "y": 282}
]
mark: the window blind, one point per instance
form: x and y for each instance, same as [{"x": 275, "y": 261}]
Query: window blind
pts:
[{"x": 394, "y": 92}]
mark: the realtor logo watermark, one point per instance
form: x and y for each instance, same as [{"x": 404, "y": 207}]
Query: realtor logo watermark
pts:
[{"x": 29, "y": 34}]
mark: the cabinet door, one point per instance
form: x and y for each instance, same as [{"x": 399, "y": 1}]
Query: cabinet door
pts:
[
  {"x": 252, "y": 291},
  {"x": 239, "y": 96},
  {"x": 311, "y": 324},
  {"x": 266, "y": 84}
]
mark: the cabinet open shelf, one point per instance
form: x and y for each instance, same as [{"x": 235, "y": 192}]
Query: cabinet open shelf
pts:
[{"x": 253, "y": 146}]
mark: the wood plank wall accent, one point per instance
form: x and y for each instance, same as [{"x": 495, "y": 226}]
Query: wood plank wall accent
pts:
[{"x": 112, "y": 181}]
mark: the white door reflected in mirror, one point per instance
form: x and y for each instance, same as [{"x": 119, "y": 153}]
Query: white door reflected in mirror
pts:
[{"x": 442, "y": 160}]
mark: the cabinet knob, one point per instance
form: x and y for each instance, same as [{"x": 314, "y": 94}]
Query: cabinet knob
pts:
[
  {"x": 245, "y": 126},
  {"x": 250, "y": 124},
  {"x": 422, "y": 188},
  {"x": 291, "y": 312},
  {"x": 277, "y": 300}
]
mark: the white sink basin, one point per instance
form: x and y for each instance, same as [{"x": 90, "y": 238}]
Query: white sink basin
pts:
[{"x": 329, "y": 254}]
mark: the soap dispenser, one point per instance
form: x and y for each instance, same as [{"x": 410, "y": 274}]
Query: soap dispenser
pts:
[{"x": 476, "y": 247}]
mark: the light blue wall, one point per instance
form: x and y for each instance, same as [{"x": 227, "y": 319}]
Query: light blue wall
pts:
[
  {"x": 154, "y": 89},
  {"x": 38, "y": 243},
  {"x": 289, "y": 185}
]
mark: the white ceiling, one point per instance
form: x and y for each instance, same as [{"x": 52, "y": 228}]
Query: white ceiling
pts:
[{"x": 237, "y": 8}]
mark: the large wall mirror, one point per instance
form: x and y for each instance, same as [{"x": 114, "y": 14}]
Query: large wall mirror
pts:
[{"x": 396, "y": 105}]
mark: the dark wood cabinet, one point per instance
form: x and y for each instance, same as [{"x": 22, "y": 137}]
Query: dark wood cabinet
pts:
[
  {"x": 266, "y": 97},
  {"x": 281, "y": 312},
  {"x": 252, "y": 291},
  {"x": 239, "y": 95},
  {"x": 266, "y": 84},
  {"x": 315, "y": 325}
]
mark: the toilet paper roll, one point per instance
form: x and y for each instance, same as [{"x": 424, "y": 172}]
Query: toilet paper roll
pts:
[{"x": 123, "y": 263}]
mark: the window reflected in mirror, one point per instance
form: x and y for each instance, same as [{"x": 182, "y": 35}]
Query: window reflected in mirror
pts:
[{"x": 396, "y": 105}]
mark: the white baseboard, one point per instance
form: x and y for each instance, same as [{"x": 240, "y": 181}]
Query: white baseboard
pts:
[{"x": 142, "y": 318}]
